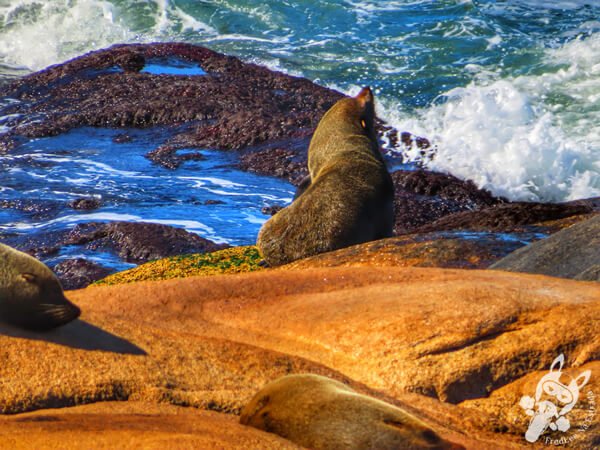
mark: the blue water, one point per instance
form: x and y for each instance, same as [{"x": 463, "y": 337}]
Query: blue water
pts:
[
  {"x": 508, "y": 91},
  {"x": 172, "y": 66},
  {"x": 86, "y": 163}
]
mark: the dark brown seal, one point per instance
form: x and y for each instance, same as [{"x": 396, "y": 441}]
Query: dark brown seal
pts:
[
  {"x": 30, "y": 294},
  {"x": 323, "y": 414},
  {"x": 349, "y": 198}
]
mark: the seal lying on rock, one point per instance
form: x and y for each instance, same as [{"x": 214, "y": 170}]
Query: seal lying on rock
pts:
[
  {"x": 30, "y": 294},
  {"x": 350, "y": 199},
  {"x": 323, "y": 414}
]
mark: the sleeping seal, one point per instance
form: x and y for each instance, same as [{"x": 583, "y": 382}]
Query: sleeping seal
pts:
[
  {"x": 30, "y": 294},
  {"x": 323, "y": 414},
  {"x": 349, "y": 197}
]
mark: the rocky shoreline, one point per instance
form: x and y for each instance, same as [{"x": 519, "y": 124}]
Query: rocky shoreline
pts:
[
  {"x": 266, "y": 116},
  {"x": 395, "y": 319}
]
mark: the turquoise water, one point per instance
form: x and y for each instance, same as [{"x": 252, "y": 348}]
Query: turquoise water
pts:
[{"x": 508, "y": 91}]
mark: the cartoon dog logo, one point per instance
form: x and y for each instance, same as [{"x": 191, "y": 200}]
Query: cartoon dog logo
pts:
[{"x": 558, "y": 400}]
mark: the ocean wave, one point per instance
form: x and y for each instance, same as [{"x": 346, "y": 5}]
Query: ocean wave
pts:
[
  {"x": 532, "y": 137},
  {"x": 37, "y": 34}
]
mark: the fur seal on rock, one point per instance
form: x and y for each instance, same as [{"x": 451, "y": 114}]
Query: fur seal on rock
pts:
[
  {"x": 323, "y": 414},
  {"x": 30, "y": 294},
  {"x": 349, "y": 198}
]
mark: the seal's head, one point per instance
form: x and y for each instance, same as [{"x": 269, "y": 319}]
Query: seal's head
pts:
[
  {"x": 30, "y": 294},
  {"x": 347, "y": 125}
]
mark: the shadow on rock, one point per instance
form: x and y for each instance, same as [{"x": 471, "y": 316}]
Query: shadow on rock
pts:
[{"x": 78, "y": 334}]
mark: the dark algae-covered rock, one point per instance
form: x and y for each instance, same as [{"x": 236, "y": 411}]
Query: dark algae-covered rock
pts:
[
  {"x": 139, "y": 241},
  {"x": 570, "y": 253},
  {"x": 422, "y": 197},
  {"x": 79, "y": 272},
  {"x": 232, "y": 106},
  {"x": 507, "y": 217}
]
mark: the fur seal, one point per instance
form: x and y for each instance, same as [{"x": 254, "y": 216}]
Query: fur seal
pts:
[
  {"x": 323, "y": 414},
  {"x": 30, "y": 294},
  {"x": 349, "y": 197}
]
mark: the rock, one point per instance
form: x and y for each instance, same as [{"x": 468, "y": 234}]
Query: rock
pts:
[
  {"x": 85, "y": 204},
  {"x": 168, "y": 156},
  {"x": 507, "y": 217},
  {"x": 431, "y": 341},
  {"x": 420, "y": 250},
  {"x": 139, "y": 241},
  {"x": 132, "y": 425},
  {"x": 38, "y": 210},
  {"x": 571, "y": 253},
  {"x": 271, "y": 210},
  {"x": 422, "y": 197},
  {"x": 235, "y": 105},
  {"x": 77, "y": 273},
  {"x": 122, "y": 138},
  {"x": 444, "y": 186},
  {"x": 288, "y": 163},
  {"x": 229, "y": 260},
  {"x": 130, "y": 61}
]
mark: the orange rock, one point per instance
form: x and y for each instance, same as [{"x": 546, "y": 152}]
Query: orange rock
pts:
[
  {"x": 426, "y": 250},
  {"x": 132, "y": 425},
  {"x": 432, "y": 341}
]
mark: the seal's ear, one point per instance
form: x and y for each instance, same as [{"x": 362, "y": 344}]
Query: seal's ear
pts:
[
  {"x": 28, "y": 277},
  {"x": 559, "y": 360},
  {"x": 365, "y": 96}
]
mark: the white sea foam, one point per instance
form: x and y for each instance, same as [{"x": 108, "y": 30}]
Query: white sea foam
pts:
[
  {"x": 507, "y": 135},
  {"x": 553, "y": 4},
  {"x": 200, "y": 181},
  {"x": 92, "y": 166},
  {"x": 190, "y": 225},
  {"x": 36, "y": 34},
  {"x": 72, "y": 218}
]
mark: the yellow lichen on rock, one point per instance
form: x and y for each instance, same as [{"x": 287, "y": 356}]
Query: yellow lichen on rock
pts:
[{"x": 230, "y": 260}]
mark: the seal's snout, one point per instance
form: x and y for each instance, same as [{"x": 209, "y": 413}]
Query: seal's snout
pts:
[
  {"x": 61, "y": 314},
  {"x": 47, "y": 316}
]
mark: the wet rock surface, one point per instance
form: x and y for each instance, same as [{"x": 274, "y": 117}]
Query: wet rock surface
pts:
[
  {"x": 233, "y": 106},
  {"x": 266, "y": 115},
  {"x": 133, "y": 242},
  {"x": 288, "y": 161},
  {"x": 422, "y": 197},
  {"x": 78, "y": 273},
  {"x": 85, "y": 204},
  {"x": 571, "y": 253},
  {"x": 507, "y": 217},
  {"x": 429, "y": 202},
  {"x": 34, "y": 209},
  {"x": 139, "y": 242},
  {"x": 451, "y": 250}
]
